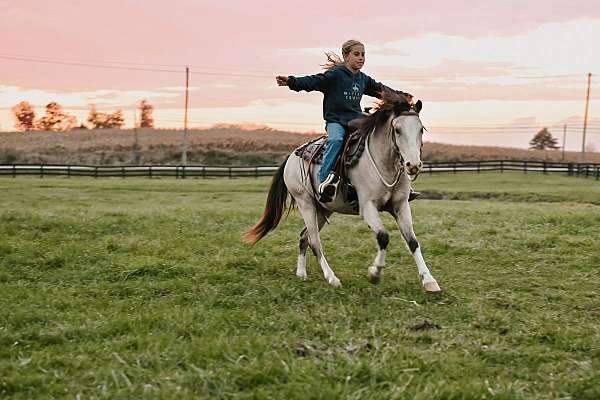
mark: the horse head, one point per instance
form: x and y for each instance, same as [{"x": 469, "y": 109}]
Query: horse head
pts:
[
  {"x": 406, "y": 130},
  {"x": 408, "y": 138}
]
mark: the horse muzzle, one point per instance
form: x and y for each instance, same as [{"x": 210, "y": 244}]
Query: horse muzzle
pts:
[{"x": 412, "y": 170}]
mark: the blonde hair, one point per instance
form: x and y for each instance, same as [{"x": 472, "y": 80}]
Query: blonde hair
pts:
[{"x": 335, "y": 60}]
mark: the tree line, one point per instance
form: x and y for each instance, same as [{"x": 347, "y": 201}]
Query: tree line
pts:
[{"x": 58, "y": 120}]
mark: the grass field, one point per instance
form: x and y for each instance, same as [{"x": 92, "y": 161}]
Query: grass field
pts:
[{"x": 141, "y": 288}]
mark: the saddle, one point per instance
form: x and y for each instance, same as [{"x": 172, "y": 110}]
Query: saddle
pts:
[{"x": 352, "y": 149}]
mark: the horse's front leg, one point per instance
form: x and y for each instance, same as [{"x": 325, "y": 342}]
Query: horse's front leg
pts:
[
  {"x": 404, "y": 221},
  {"x": 370, "y": 214}
]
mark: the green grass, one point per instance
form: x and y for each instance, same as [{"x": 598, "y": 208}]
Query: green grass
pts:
[{"x": 141, "y": 288}]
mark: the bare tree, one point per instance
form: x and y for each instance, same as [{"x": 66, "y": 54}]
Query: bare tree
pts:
[
  {"x": 24, "y": 116},
  {"x": 543, "y": 140},
  {"x": 146, "y": 110},
  {"x": 55, "y": 119}
]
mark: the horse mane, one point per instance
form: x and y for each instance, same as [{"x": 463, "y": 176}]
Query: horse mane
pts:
[{"x": 391, "y": 103}]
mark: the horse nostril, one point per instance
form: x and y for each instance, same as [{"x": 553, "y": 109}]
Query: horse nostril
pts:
[{"x": 408, "y": 164}]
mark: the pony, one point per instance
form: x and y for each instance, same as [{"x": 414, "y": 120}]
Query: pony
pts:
[{"x": 381, "y": 178}]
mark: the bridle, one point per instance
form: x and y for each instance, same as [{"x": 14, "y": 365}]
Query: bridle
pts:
[{"x": 396, "y": 148}]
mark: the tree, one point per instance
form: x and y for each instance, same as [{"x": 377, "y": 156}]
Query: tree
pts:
[
  {"x": 101, "y": 120},
  {"x": 56, "y": 119},
  {"x": 146, "y": 120},
  {"x": 24, "y": 116},
  {"x": 543, "y": 140}
]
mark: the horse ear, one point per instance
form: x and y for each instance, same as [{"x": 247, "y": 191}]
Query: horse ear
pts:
[{"x": 418, "y": 106}]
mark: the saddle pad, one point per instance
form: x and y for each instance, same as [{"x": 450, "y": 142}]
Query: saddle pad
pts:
[{"x": 312, "y": 150}]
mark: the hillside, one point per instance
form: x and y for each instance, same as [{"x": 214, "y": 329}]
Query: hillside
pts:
[{"x": 228, "y": 145}]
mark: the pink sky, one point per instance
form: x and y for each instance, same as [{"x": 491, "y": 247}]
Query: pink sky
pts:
[{"x": 472, "y": 64}]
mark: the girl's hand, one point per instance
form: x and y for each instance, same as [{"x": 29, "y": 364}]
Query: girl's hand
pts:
[{"x": 281, "y": 80}]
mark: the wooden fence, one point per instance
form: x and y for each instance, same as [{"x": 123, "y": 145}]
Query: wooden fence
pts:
[{"x": 204, "y": 171}]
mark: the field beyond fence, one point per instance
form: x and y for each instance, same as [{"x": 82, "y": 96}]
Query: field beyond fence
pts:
[{"x": 215, "y": 146}]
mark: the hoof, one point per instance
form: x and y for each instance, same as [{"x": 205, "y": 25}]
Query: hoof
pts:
[
  {"x": 373, "y": 275},
  {"x": 432, "y": 287},
  {"x": 301, "y": 275},
  {"x": 335, "y": 282}
]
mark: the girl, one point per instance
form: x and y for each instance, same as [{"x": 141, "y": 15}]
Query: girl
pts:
[{"x": 342, "y": 85}]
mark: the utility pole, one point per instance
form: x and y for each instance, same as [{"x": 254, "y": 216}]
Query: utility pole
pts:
[
  {"x": 136, "y": 148},
  {"x": 585, "y": 118},
  {"x": 185, "y": 118},
  {"x": 564, "y": 141}
]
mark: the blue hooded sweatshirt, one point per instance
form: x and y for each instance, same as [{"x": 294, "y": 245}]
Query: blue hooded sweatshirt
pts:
[{"x": 342, "y": 91}]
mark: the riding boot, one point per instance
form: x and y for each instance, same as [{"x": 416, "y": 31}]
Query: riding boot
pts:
[
  {"x": 413, "y": 195},
  {"x": 328, "y": 188}
]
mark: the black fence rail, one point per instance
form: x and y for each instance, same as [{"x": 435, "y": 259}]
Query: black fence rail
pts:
[{"x": 205, "y": 171}]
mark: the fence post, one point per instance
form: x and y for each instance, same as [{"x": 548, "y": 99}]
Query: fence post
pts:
[
  {"x": 478, "y": 167},
  {"x": 68, "y": 171},
  {"x": 14, "y": 171},
  {"x": 42, "y": 171},
  {"x": 150, "y": 172},
  {"x": 587, "y": 171},
  {"x": 96, "y": 172},
  {"x": 544, "y": 166},
  {"x": 183, "y": 172},
  {"x": 597, "y": 173},
  {"x": 525, "y": 169},
  {"x": 177, "y": 172},
  {"x": 256, "y": 172},
  {"x": 570, "y": 169},
  {"x": 122, "y": 172},
  {"x": 229, "y": 172},
  {"x": 204, "y": 172},
  {"x": 501, "y": 166}
]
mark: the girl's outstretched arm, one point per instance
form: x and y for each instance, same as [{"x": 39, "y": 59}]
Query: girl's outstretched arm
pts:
[{"x": 309, "y": 83}]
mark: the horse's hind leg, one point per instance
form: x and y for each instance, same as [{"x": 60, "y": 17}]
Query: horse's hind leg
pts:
[
  {"x": 404, "y": 220},
  {"x": 371, "y": 216},
  {"x": 314, "y": 220},
  {"x": 303, "y": 245}
]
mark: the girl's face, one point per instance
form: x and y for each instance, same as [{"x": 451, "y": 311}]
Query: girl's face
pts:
[{"x": 355, "y": 59}]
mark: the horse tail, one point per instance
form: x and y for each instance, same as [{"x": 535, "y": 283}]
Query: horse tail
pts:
[{"x": 276, "y": 205}]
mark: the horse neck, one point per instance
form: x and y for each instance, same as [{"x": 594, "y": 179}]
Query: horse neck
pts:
[{"x": 383, "y": 151}]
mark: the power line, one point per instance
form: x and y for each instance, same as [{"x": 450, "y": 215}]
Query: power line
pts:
[
  {"x": 145, "y": 64},
  {"x": 78, "y": 64},
  {"x": 129, "y": 66}
]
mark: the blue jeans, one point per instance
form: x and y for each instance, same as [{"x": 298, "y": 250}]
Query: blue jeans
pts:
[{"x": 333, "y": 145}]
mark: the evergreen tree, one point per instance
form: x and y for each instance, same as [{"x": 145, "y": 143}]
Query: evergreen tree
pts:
[{"x": 543, "y": 140}]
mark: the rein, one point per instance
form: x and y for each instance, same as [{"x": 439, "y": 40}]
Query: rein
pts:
[
  {"x": 396, "y": 150},
  {"x": 400, "y": 171}
]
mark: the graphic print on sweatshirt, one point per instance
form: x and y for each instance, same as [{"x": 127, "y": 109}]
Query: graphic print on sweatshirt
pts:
[{"x": 354, "y": 94}]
